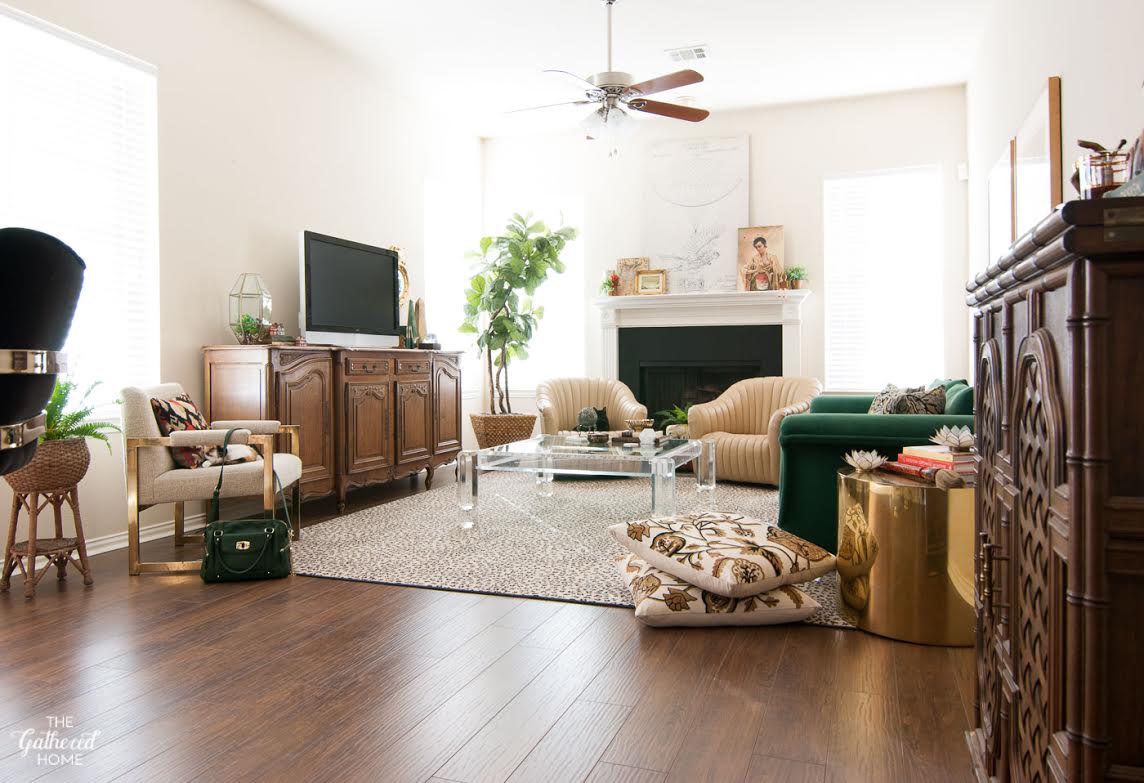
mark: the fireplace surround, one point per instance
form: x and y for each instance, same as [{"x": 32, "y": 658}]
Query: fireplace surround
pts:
[{"x": 650, "y": 326}]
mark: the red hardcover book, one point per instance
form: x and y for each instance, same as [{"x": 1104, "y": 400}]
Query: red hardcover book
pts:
[{"x": 922, "y": 462}]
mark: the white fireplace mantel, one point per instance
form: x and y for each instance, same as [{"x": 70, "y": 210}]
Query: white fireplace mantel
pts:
[{"x": 723, "y": 308}]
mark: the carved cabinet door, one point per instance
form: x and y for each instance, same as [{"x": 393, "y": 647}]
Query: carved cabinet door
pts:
[
  {"x": 369, "y": 437},
  {"x": 304, "y": 396},
  {"x": 414, "y": 420},
  {"x": 988, "y": 740},
  {"x": 447, "y": 404},
  {"x": 1038, "y": 560}
]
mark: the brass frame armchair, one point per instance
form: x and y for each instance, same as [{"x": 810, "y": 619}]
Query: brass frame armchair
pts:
[{"x": 262, "y": 434}]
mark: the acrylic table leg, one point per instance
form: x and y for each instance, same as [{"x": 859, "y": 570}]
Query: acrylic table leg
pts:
[
  {"x": 467, "y": 480},
  {"x": 545, "y": 478},
  {"x": 662, "y": 488},
  {"x": 705, "y": 467}
]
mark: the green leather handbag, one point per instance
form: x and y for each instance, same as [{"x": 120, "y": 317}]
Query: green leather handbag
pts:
[{"x": 242, "y": 549}]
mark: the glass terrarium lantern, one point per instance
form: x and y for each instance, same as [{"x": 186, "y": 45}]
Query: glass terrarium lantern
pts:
[{"x": 250, "y": 309}]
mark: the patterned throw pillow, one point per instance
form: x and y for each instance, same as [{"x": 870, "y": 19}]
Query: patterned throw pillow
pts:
[
  {"x": 725, "y": 554},
  {"x": 661, "y": 600},
  {"x": 913, "y": 400},
  {"x": 181, "y": 413}
]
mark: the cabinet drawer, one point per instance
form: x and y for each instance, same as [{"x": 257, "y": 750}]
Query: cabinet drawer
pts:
[
  {"x": 413, "y": 366},
  {"x": 363, "y": 366}
]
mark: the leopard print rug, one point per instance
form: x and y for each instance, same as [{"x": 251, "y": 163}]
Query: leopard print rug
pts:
[{"x": 517, "y": 542}]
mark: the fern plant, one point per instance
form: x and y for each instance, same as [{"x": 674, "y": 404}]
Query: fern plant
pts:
[
  {"x": 673, "y": 415},
  {"x": 61, "y": 423}
]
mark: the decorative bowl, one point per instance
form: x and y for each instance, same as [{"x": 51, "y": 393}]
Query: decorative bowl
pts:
[{"x": 638, "y": 425}]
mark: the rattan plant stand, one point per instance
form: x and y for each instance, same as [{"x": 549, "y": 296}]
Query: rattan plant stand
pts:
[{"x": 58, "y": 549}]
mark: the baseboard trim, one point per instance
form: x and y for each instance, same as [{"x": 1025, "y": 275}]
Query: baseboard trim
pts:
[
  {"x": 113, "y": 541},
  {"x": 192, "y": 522}
]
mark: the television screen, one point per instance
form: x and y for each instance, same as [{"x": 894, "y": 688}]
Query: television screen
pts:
[{"x": 350, "y": 287}]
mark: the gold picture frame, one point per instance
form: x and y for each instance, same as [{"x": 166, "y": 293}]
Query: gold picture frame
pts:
[
  {"x": 651, "y": 282},
  {"x": 627, "y": 268},
  {"x": 403, "y": 276}
]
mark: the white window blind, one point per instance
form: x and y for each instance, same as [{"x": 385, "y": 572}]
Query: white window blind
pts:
[
  {"x": 78, "y": 150},
  {"x": 882, "y": 249}
]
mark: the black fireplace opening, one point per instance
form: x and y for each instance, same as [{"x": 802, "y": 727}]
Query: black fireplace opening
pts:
[{"x": 687, "y": 365}]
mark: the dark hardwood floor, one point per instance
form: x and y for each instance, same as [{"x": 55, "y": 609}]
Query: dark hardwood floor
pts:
[{"x": 317, "y": 679}]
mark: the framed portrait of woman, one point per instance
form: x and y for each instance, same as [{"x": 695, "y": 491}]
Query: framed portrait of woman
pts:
[{"x": 761, "y": 265}]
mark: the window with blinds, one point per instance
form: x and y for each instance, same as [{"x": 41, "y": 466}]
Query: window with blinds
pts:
[
  {"x": 78, "y": 150},
  {"x": 882, "y": 262}
]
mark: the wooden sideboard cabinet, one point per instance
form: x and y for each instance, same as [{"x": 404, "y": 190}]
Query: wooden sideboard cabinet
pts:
[
  {"x": 367, "y": 415},
  {"x": 1059, "y": 341}
]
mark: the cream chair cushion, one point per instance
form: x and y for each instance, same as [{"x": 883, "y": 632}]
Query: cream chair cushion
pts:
[
  {"x": 743, "y": 423},
  {"x": 559, "y": 400},
  {"x": 242, "y": 480}
]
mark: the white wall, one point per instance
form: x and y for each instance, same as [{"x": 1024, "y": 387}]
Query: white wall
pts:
[
  {"x": 263, "y": 131},
  {"x": 792, "y": 149},
  {"x": 1096, "y": 50}
]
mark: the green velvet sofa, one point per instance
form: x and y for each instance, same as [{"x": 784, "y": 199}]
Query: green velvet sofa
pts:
[{"x": 813, "y": 444}]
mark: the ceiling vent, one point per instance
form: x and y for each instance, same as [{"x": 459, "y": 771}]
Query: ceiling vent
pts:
[{"x": 689, "y": 53}]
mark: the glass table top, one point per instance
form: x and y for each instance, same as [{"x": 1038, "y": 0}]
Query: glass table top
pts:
[{"x": 569, "y": 454}]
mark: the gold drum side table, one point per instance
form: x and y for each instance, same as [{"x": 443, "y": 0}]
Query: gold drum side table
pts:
[{"x": 905, "y": 558}]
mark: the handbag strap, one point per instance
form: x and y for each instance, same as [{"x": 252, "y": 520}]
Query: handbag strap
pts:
[{"x": 218, "y": 487}]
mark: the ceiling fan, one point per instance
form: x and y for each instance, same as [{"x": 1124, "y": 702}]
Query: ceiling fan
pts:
[{"x": 615, "y": 91}]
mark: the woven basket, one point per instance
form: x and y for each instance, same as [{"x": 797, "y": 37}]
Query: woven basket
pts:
[
  {"x": 497, "y": 429},
  {"x": 58, "y": 464}
]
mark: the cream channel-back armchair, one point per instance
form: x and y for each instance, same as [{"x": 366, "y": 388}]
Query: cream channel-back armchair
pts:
[
  {"x": 743, "y": 422},
  {"x": 559, "y": 400},
  {"x": 154, "y": 478}
]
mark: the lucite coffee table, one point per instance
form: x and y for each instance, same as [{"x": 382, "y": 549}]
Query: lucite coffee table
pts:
[{"x": 570, "y": 455}]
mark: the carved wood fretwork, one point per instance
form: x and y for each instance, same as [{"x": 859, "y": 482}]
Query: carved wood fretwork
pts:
[{"x": 1038, "y": 428}]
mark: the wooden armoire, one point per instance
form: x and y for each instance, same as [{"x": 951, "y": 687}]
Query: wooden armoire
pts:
[{"x": 1059, "y": 341}]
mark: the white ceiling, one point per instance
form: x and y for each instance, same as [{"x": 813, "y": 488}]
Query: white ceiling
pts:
[{"x": 483, "y": 57}]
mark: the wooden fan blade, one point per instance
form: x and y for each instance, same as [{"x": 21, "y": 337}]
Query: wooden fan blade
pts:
[
  {"x": 668, "y": 82},
  {"x": 580, "y": 81},
  {"x": 673, "y": 110},
  {"x": 550, "y": 105}
]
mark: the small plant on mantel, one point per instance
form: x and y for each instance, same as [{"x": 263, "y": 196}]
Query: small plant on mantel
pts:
[
  {"x": 514, "y": 263},
  {"x": 796, "y": 275}
]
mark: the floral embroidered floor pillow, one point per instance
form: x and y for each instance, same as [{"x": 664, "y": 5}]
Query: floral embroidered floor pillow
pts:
[
  {"x": 663, "y": 600},
  {"x": 726, "y": 554}
]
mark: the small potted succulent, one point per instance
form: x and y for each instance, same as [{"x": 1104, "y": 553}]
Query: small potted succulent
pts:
[
  {"x": 796, "y": 275},
  {"x": 611, "y": 284},
  {"x": 62, "y": 457}
]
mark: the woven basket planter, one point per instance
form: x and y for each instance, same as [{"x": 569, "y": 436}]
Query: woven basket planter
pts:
[
  {"x": 497, "y": 429},
  {"x": 58, "y": 464}
]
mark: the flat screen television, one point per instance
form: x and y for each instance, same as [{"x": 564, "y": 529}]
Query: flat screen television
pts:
[{"x": 350, "y": 292}]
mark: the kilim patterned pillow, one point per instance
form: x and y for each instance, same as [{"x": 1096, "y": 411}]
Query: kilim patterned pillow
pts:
[
  {"x": 662, "y": 599},
  {"x": 181, "y": 413},
  {"x": 725, "y": 554}
]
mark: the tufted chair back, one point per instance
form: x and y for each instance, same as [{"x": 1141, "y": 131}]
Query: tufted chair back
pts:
[
  {"x": 558, "y": 400},
  {"x": 744, "y": 421}
]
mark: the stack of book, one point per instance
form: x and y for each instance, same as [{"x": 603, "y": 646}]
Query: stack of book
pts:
[{"x": 923, "y": 462}]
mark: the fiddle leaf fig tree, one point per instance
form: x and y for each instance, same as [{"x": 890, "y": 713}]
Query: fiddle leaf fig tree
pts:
[{"x": 516, "y": 262}]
